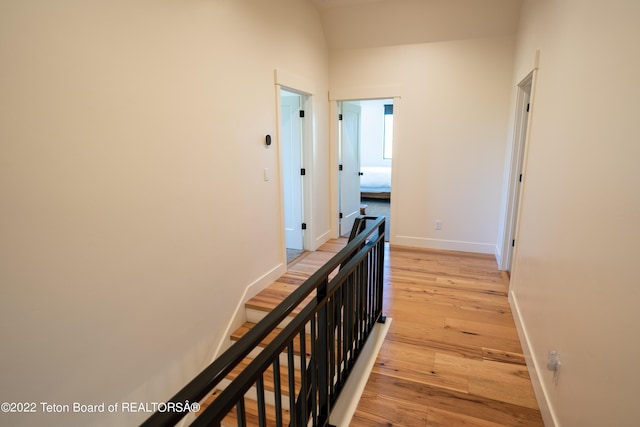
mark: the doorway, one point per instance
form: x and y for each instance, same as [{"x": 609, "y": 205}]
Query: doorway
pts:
[
  {"x": 365, "y": 141},
  {"x": 292, "y": 131},
  {"x": 521, "y": 134}
]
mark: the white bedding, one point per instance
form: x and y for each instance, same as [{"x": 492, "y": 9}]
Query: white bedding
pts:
[{"x": 375, "y": 179}]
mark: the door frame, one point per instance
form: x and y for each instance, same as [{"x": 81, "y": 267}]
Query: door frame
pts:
[
  {"x": 298, "y": 101},
  {"x": 517, "y": 167},
  {"x": 307, "y": 144},
  {"x": 362, "y": 94}
]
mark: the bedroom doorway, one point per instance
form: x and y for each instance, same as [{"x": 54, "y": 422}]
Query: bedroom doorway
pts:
[
  {"x": 365, "y": 138},
  {"x": 292, "y": 151}
]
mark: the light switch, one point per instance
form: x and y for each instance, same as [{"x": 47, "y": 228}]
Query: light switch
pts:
[{"x": 267, "y": 174}]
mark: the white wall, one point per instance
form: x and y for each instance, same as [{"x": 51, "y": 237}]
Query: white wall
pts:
[
  {"x": 575, "y": 282},
  {"x": 134, "y": 210},
  {"x": 450, "y": 126}
]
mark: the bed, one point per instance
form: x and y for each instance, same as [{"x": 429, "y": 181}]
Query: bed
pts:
[{"x": 375, "y": 182}]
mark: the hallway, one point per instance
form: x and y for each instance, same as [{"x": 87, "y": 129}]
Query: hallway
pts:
[{"x": 452, "y": 356}]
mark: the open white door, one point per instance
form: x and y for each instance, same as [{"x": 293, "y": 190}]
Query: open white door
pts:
[
  {"x": 291, "y": 140},
  {"x": 523, "y": 104},
  {"x": 349, "y": 166}
]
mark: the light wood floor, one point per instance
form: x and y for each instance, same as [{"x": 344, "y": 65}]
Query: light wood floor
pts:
[{"x": 452, "y": 356}]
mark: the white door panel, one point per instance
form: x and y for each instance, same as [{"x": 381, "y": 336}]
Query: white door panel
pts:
[
  {"x": 291, "y": 140},
  {"x": 350, "y": 161}
]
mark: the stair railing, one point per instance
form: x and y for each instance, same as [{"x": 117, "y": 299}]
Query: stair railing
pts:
[{"x": 307, "y": 364}]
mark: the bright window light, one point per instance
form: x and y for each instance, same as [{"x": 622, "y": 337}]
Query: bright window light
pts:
[{"x": 388, "y": 131}]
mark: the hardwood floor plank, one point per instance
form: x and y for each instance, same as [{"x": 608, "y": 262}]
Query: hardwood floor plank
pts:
[
  {"x": 498, "y": 381},
  {"x": 417, "y": 311},
  {"x": 431, "y": 338},
  {"x": 471, "y": 285},
  {"x": 454, "y": 298},
  {"x": 440, "y": 418},
  {"x": 503, "y": 356},
  {"x": 380, "y": 410},
  {"x": 485, "y": 335},
  {"x": 381, "y": 389},
  {"x": 504, "y": 382},
  {"x": 412, "y": 362}
]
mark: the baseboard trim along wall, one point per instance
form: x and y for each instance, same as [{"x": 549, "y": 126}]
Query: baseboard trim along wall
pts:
[
  {"x": 239, "y": 314},
  {"x": 447, "y": 245},
  {"x": 321, "y": 240},
  {"x": 498, "y": 254},
  {"x": 538, "y": 388}
]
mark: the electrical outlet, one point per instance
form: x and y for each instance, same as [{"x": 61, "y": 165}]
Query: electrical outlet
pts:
[{"x": 438, "y": 224}]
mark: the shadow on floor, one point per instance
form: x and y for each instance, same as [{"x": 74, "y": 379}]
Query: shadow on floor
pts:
[{"x": 292, "y": 254}]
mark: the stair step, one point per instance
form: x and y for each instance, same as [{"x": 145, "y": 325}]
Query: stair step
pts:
[
  {"x": 311, "y": 263},
  {"x": 257, "y": 307},
  {"x": 334, "y": 245},
  {"x": 269, "y": 385},
  {"x": 238, "y": 333},
  {"x": 246, "y": 327},
  {"x": 251, "y": 409},
  {"x": 272, "y": 295}
]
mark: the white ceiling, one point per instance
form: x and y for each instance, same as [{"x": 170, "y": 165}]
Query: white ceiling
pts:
[{"x": 350, "y": 24}]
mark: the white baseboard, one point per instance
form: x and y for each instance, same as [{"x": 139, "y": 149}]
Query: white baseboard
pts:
[
  {"x": 447, "y": 245},
  {"x": 498, "y": 254},
  {"x": 239, "y": 314},
  {"x": 322, "y": 239},
  {"x": 548, "y": 416}
]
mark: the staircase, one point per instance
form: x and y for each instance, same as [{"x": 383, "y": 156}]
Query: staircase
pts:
[
  {"x": 288, "y": 363},
  {"x": 256, "y": 309}
]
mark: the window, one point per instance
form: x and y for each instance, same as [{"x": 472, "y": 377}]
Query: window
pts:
[{"x": 388, "y": 131}]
